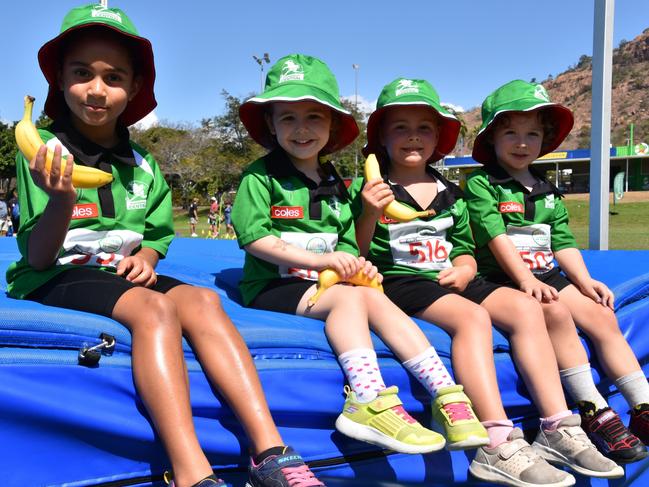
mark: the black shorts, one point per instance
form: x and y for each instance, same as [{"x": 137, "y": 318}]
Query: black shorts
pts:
[
  {"x": 91, "y": 290},
  {"x": 414, "y": 293},
  {"x": 282, "y": 295},
  {"x": 553, "y": 278}
]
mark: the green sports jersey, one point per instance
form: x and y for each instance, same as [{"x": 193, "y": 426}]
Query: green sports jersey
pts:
[
  {"x": 274, "y": 198},
  {"x": 108, "y": 223},
  {"x": 424, "y": 246},
  {"x": 535, "y": 220}
]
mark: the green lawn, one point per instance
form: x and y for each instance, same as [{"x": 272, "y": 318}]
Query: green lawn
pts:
[{"x": 629, "y": 228}]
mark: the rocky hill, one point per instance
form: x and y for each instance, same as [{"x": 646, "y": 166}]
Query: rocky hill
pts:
[{"x": 572, "y": 88}]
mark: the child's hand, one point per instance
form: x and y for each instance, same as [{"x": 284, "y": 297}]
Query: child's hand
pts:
[
  {"x": 369, "y": 269},
  {"x": 539, "y": 290},
  {"x": 346, "y": 265},
  {"x": 376, "y": 196},
  {"x": 456, "y": 277},
  {"x": 598, "y": 292},
  {"x": 137, "y": 270},
  {"x": 57, "y": 185}
]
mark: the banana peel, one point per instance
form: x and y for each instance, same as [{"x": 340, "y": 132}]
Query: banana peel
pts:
[
  {"x": 329, "y": 277},
  {"x": 29, "y": 141},
  {"x": 394, "y": 210}
]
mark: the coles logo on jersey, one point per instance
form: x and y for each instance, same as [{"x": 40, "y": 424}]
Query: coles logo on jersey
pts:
[
  {"x": 85, "y": 211},
  {"x": 510, "y": 207},
  {"x": 287, "y": 212}
]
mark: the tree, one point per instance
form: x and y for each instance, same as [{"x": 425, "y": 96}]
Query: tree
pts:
[
  {"x": 8, "y": 149},
  {"x": 349, "y": 161}
]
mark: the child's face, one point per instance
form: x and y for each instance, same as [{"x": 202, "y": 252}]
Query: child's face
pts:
[
  {"x": 97, "y": 80},
  {"x": 302, "y": 129},
  {"x": 409, "y": 134},
  {"x": 517, "y": 142}
]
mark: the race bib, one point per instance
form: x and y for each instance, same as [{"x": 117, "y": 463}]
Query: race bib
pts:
[
  {"x": 421, "y": 244},
  {"x": 533, "y": 245},
  {"x": 318, "y": 243},
  {"x": 98, "y": 248}
]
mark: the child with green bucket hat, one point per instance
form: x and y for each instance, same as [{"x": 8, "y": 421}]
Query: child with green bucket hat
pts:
[
  {"x": 95, "y": 250},
  {"x": 521, "y": 226},
  {"x": 292, "y": 216},
  {"x": 430, "y": 269}
]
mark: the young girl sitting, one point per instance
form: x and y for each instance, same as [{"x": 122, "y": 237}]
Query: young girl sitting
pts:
[
  {"x": 521, "y": 225},
  {"x": 292, "y": 217}
]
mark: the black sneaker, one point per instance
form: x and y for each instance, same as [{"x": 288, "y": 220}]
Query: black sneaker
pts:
[
  {"x": 285, "y": 470},
  {"x": 211, "y": 481},
  {"x": 606, "y": 430},
  {"x": 639, "y": 423}
]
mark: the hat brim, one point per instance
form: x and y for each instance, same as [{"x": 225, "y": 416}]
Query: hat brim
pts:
[
  {"x": 253, "y": 115},
  {"x": 483, "y": 150},
  {"x": 449, "y": 129},
  {"x": 50, "y": 59}
]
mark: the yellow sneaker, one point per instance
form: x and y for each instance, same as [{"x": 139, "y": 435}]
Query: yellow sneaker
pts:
[
  {"x": 384, "y": 422},
  {"x": 453, "y": 412}
]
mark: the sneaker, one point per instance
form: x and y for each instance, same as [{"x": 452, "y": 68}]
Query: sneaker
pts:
[
  {"x": 639, "y": 424},
  {"x": 384, "y": 422},
  {"x": 210, "y": 481},
  {"x": 194, "y": 235},
  {"x": 569, "y": 445},
  {"x": 452, "y": 411},
  {"x": 285, "y": 470},
  {"x": 516, "y": 463},
  {"x": 606, "y": 430}
]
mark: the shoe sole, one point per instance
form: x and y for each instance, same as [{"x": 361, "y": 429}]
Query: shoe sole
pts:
[
  {"x": 469, "y": 443},
  {"x": 555, "y": 457},
  {"x": 371, "y": 435},
  {"x": 494, "y": 475}
]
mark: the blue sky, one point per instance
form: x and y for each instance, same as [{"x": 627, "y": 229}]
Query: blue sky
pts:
[{"x": 465, "y": 48}]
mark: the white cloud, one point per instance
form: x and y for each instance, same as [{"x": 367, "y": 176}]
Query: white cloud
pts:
[
  {"x": 151, "y": 120},
  {"x": 457, "y": 108},
  {"x": 364, "y": 105}
]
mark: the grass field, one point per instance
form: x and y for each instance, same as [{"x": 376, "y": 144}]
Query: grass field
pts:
[{"x": 629, "y": 223}]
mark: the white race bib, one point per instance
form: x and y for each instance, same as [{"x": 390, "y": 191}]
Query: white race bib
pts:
[
  {"x": 98, "y": 248},
  {"x": 318, "y": 243},
  {"x": 533, "y": 243},
  {"x": 421, "y": 244}
]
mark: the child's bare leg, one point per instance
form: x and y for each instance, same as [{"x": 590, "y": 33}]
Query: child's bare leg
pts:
[
  {"x": 563, "y": 333},
  {"x": 469, "y": 326},
  {"x": 600, "y": 325},
  {"x": 160, "y": 378},
  {"x": 521, "y": 317},
  {"x": 227, "y": 362}
]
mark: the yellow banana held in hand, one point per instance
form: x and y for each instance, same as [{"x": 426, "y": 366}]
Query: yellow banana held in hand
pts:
[
  {"x": 29, "y": 141},
  {"x": 394, "y": 210},
  {"x": 329, "y": 277}
]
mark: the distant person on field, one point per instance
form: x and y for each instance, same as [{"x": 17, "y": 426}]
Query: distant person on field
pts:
[
  {"x": 227, "y": 217},
  {"x": 193, "y": 217},
  {"x": 14, "y": 210},
  {"x": 213, "y": 217},
  {"x": 5, "y": 218}
]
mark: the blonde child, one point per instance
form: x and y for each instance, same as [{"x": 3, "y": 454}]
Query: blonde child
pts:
[
  {"x": 292, "y": 217},
  {"x": 521, "y": 225},
  {"x": 101, "y": 75},
  {"x": 429, "y": 272}
]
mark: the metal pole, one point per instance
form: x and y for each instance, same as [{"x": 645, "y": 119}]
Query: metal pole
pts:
[
  {"x": 600, "y": 136},
  {"x": 355, "y": 67},
  {"x": 104, "y": 3}
]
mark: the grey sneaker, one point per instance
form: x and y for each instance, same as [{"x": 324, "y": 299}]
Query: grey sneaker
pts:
[
  {"x": 516, "y": 463},
  {"x": 569, "y": 445}
]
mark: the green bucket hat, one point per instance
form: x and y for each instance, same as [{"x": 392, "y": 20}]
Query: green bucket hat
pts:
[
  {"x": 115, "y": 20},
  {"x": 293, "y": 78},
  {"x": 407, "y": 92},
  {"x": 520, "y": 96}
]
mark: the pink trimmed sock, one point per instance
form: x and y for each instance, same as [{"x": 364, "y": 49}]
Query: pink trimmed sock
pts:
[
  {"x": 498, "y": 431},
  {"x": 429, "y": 370},
  {"x": 362, "y": 371},
  {"x": 552, "y": 422}
]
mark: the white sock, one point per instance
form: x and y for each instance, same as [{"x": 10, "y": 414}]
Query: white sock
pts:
[
  {"x": 634, "y": 388},
  {"x": 580, "y": 386},
  {"x": 362, "y": 371},
  {"x": 428, "y": 368}
]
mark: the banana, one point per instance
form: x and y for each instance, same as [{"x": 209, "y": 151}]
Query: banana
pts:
[
  {"x": 329, "y": 277},
  {"x": 394, "y": 210},
  {"x": 29, "y": 141}
]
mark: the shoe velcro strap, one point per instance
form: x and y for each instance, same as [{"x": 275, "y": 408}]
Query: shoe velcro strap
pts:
[
  {"x": 381, "y": 403},
  {"x": 510, "y": 448},
  {"x": 452, "y": 398}
]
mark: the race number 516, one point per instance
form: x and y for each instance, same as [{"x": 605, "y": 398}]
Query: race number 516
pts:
[{"x": 429, "y": 251}]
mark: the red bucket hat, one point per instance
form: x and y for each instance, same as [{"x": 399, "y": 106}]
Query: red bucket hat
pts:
[{"x": 114, "y": 20}]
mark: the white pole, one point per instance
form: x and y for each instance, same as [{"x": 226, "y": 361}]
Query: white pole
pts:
[
  {"x": 600, "y": 136},
  {"x": 104, "y": 3}
]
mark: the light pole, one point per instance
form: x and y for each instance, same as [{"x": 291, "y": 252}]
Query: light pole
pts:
[
  {"x": 104, "y": 3},
  {"x": 261, "y": 61},
  {"x": 355, "y": 67}
]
